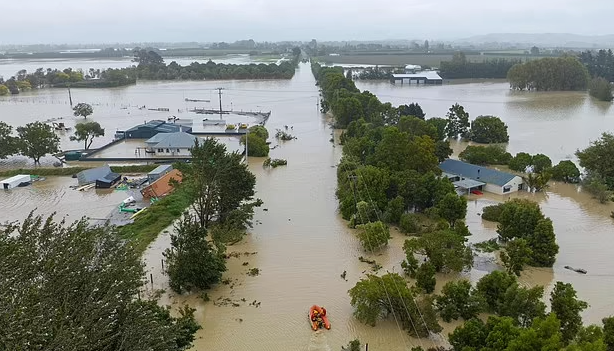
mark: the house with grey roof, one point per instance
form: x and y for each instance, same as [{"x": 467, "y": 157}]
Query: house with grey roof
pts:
[
  {"x": 468, "y": 178},
  {"x": 152, "y": 128},
  {"x": 171, "y": 144}
]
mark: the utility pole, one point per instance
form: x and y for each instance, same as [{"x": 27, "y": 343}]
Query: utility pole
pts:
[
  {"x": 220, "y": 94},
  {"x": 69, "y": 95},
  {"x": 246, "y": 150}
]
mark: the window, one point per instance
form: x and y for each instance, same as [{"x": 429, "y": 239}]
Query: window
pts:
[
  {"x": 160, "y": 150},
  {"x": 178, "y": 150},
  {"x": 168, "y": 151},
  {"x": 507, "y": 188}
]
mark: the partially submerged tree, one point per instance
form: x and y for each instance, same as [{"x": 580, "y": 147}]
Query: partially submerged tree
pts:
[
  {"x": 74, "y": 285},
  {"x": 452, "y": 208},
  {"x": 86, "y": 132},
  {"x": 192, "y": 262},
  {"x": 458, "y": 122},
  {"x": 36, "y": 140},
  {"x": 457, "y": 300},
  {"x": 567, "y": 307},
  {"x": 445, "y": 249},
  {"x": 373, "y": 235},
  {"x": 488, "y": 130},
  {"x": 82, "y": 110}
]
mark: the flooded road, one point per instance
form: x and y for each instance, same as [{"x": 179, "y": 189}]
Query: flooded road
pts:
[{"x": 302, "y": 246}]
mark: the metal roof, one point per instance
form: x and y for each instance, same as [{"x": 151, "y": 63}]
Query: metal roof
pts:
[
  {"x": 161, "y": 169},
  {"x": 90, "y": 175},
  {"x": 430, "y": 75},
  {"x": 468, "y": 183},
  {"x": 475, "y": 172},
  {"x": 173, "y": 140},
  {"x": 160, "y": 126}
]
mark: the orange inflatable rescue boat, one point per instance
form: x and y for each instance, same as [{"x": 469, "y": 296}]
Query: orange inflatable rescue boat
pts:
[{"x": 318, "y": 318}]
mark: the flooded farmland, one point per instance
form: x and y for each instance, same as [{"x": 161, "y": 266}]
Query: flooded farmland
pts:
[{"x": 301, "y": 245}]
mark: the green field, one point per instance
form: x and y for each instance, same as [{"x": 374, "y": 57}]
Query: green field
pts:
[{"x": 433, "y": 60}]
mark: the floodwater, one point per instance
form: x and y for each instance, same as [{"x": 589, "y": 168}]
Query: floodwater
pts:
[{"x": 302, "y": 246}]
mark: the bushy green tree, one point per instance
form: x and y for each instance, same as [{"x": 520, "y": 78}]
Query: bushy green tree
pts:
[
  {"x": 516, "y": 255},
  {"x": 485, "y": 155},
  {"x": 458, "y": 122},
  {"x": 373, "y": 235},
  {"x": 489, "y": 130},
  {"x": 192, "y": 262},
  {"x": 425, "y": 277},
  {"x": 567, "y": 307},
  {"x": 541, "y": 163},
  {"x": 600, "y": 88},
  {"x": 256, "y": 145},
  {"x": 542, "y": 242},
  {"x": 597, "y": 158},
  {"x": 520, "y": 162},
  {"x": 452, "y": 208},
  {"x": 76, "y": 285},
  {"x": 445, "y": 250},
  {"x": 492, "y": 288},
  {"x": 86, "y": 132},
  {"x": 469, "y": 336},
  {"x": 566, "y": 171},
  {"x": 36, "y": 140},
  {"x": 440, "y": 125},
  {"x": 608, "y": 332},
  {"x": 523, "y": 304},
  {"x": 549, "y": 74},
  {"x": 543, "y": 334},
  {"x": 82, "y": 110},
  {"x": 409, "y": 223},
  {"x": 457, "y": 300},
  {"x": 375, "y": 297}
]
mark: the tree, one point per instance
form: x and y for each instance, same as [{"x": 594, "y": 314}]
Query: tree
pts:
[
  {"x": 567, "y": 307},
  {"x": 444, "y": 249},
  {"x": 590, "y": 338},
  {"x": 458, "y": 122},
  {"x": 425, "y": 277},
  {"x": 520, "y": 162},
  {"x": 82, "y": 109},
  {"x": 541, "y": 163},
  {"x": 469, "y": 336},
  {"x": 36, "y": 140},
  {"x": 443, "y": 150},
  {"x": 80, "y": 290},
  {"x": 8, "y": 145},
  {"x": 600, "y": 88},
  {"x": 452, "y": 208},
  {"x": 485, "y": 155},
  {"x": 542, "y": 242},
  {"x": 517, "y": 254},
  {"x": 86, "y": 132},
  {"x": 608, "y": 332},
  {"x": 220, "y": 185},
  {"x": 489, "y": 130},
  {"x": 522, "y": 304},
  {"x": 374, "y": 297},
  {"x": 566, "y": 171},
  {"x": 549, "y": 74},
  {"x": 256, "y": 145},
  {"x": 543, "y": 334},
  {"x": 597, "y": 158},
  {"x": 412, "y": 109},
  {"x": 518, "y": 218},
  {"x": 457, "y": 301},
  {"x": 534, "y": 51},
  {"x": 536, "y": 182},
  {"x": 4, "y": 90},
  {"x": 192, "y": 262},
  {"x": 440, "y": 125},
  {"x": 373, "y": 235},
  {"x": 492, "y": 288}
]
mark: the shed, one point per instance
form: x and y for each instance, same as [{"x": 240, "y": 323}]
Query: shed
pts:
[
  {"x": 158, "y": 172},
  {"x": 162, "y": 186},
  {"x": 90, "y": 176},
  {"x": 15, "y": 181},
  {"x": 108, "y": 181}
]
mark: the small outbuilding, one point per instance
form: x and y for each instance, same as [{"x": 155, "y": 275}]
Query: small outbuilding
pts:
[
  {"x": 90, "y": 176},
  {"x": 158, "y": 172},
  {"x": 15, "y": 181},
  {"x": 108, "y": 180},
  {"x": 163, "y": 186}
]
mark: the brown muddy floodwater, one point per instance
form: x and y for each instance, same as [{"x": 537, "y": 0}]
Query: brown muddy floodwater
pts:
[{"x": 302, "y": 246}]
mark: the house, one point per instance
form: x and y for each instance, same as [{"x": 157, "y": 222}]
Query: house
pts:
[
  {"x": 15, "y": 181},
  {"x": 158, "y": 172},
  {"x": 171, "y": 144},
  {"x": 150, "y": 129},
  {"x": 162, "y": 186},
  {"x": 468, "y": 177},
  {"x": 424, "y": 77},
  {"x": 108, "y": 180},
  {"x": 90, "y": 176}
]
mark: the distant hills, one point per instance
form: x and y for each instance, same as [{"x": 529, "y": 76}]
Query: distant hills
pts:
[{"x": 562, "y": 40}]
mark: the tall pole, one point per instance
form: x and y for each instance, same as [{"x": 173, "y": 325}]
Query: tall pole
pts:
[
  {"x": 220, "y": 94},
  {"x": 246, "y": 155},
  {"x": 69, "y": 96}
]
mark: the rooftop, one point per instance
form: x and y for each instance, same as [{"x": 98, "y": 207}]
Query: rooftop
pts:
[
  {"x": 160, "y": 126},
  {"x": 468, "y": 183},
  {"x": 172, "y": 140},
  {"x": 430, "y": 75},
  {"x": 475, "y": 172}
]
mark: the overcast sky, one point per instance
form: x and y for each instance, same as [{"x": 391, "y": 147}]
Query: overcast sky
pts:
[{"x": 95, "y": 21}]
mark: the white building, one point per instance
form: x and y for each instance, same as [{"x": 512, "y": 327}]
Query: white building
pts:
[
  {"x": 15, "y": 181},
  {"x": 467, "y": 177},
  {"x": 171, "y": 144}
]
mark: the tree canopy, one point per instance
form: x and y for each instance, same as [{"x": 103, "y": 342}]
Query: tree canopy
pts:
[
  {"x": 445, "y": 249},
  {"x": 86, "y": 132},
  {"x": 489, "y": 130},
  {"x": 550, "y": 73},
  {"x": 601, "y": 89},
  {"x": 82, "y": 110},
  {"x": 458, "y": 122},
  {"x": 80, "y": 290},
  {"x": 36, "y": 140},
  {"x": 597, "y": 158},
  {"x": 8, "y": 143}
]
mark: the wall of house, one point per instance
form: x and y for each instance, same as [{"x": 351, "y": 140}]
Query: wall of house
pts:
[
  {"x": 172, "y": 152},
  {"x": 496, "y": 189}
]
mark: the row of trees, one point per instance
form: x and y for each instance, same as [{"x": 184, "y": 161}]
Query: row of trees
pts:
[
  {"x": 560, "y": 73},
  {"x": 151, "y": 66},
  {"x": 220, "y": 188},
  {"x": 484, "y": 129},
  {"x": 460, "y": 67},
  {"x": 599, "y": 166}
]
